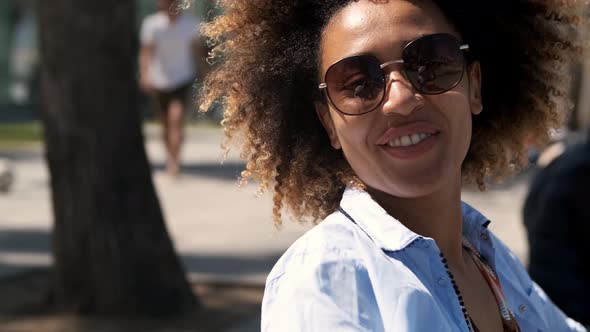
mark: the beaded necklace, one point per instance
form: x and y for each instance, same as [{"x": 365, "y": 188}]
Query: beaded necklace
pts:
[{"x": 509, "y": 322}]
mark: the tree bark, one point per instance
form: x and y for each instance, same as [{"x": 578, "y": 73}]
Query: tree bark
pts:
[{"x": 112, "y": 253}]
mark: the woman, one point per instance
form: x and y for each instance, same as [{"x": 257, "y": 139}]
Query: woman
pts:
[{"x": 368, "y": 116}]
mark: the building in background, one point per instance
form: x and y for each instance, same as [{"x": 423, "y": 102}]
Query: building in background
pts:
[
  {"x": 19, "y": 57},
  {"x": 19, "y": 60}
]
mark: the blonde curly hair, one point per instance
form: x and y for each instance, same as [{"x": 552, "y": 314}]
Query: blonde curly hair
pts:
[{"x": 265, "y": 55}]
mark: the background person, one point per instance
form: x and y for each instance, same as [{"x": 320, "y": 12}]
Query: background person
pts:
[
  {"x": 558, "y": 227},
  {"x": 170, "y": 54}
]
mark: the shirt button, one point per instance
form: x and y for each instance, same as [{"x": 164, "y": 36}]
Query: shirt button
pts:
[
  {"x": 522, "y": 308},
  {"x": 442, "y": 281},
  {"x": 484, "y": 236}
]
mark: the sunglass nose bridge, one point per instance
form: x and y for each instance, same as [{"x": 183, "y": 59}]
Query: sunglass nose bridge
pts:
[{"x": 389, "y": 63}]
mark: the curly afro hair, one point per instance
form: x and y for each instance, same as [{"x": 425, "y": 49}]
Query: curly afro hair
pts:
[{"x": 266, "y": 53}]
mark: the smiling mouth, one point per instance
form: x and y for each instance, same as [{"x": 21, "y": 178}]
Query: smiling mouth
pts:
[{"x": 408, "y": 140}]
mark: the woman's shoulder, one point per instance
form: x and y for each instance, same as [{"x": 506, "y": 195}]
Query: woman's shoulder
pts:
[
  {"x": 155, "y": 19},
  {"x": 333, "y": 239},
  {"x": 330, "y": 277},
  {"x": 337, "y": 254}
]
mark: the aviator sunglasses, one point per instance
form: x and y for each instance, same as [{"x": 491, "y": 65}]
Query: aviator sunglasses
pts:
[{"x": 433, "y": 64}]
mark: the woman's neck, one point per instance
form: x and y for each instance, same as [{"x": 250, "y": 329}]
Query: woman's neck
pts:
[{"x": 437, "y": 216}]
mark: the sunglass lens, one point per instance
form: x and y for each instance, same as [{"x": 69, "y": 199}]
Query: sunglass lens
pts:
[
  {"x": 355, "y": 84},
  {"x": 434, "y": 64}
]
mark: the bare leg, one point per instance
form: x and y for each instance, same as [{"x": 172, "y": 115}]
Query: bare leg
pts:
[
  {"x": 174, "y": 135},
  {"x": 165, "y": 130}
]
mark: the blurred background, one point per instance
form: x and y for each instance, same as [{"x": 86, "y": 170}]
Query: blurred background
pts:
[{"x": 53, "y": 277}]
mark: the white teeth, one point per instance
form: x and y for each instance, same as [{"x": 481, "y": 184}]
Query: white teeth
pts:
[
  {"x": 408, "y": 140},
  {"x": 394, "y": 142}
]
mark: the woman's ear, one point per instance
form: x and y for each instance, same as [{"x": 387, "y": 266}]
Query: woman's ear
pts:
[
  {"x": 323, "y": 113},
  {"x": 475, "y": 100}
]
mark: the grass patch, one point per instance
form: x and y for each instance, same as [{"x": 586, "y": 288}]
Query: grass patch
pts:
[{"x": 20, "y": 132}]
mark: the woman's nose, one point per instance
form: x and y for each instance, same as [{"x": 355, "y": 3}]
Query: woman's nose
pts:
[{"x": 400, "y": 95}]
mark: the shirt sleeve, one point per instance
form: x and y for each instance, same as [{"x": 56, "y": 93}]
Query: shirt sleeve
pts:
[
  {"x": 146, "y": 35},
  {"x": 334, "y": 294}
]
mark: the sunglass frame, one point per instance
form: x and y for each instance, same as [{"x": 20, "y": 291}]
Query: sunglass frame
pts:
[{"x": 323, "y": 86}]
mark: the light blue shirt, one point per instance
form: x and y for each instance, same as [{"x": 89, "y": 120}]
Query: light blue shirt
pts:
[{"x": 362, "y": 270}]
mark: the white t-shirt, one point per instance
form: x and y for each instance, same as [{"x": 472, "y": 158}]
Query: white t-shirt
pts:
[{"x": 173, "y": 61}]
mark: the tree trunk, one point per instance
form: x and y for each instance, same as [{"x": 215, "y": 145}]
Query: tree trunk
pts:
[{"x": 111, "y": 249}]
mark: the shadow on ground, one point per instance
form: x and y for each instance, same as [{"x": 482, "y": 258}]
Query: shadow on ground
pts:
[
  {"x": 229, "y": 171},
  {"x": 25, "y": 241},
  {"x": 22, "y": 242},
  {"x": 24, "y": 302},
  {"x": 30, "y": 154},
  {"x": 26, "y": 307},
  {"x": 228, "y": 265}
]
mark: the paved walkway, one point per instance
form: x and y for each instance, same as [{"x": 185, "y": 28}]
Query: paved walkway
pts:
[{"x": 222, "y": 232}]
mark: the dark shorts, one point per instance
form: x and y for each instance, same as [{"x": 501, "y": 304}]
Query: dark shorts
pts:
[{"x": 164, "y": 98}]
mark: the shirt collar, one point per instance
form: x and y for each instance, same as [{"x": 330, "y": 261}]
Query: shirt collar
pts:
[{"x": 389, "y": 233}]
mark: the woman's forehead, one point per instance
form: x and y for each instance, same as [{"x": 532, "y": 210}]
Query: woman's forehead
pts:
[{"x": 367, "y": 26}]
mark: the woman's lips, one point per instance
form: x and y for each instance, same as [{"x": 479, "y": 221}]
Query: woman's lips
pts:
[
  {"x": 410, "y": 140},
  {"x": 413, "y": 151},
  {"x": 413, "y": 128}
]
